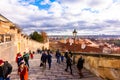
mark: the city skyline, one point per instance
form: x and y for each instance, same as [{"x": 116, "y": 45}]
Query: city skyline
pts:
[{"x": 60, "y": 17}]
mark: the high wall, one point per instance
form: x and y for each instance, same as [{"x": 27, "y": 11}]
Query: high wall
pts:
[
  {"x": 8, "y": 50},
  {"x": 24, "y": 43},
  {"x": 105, "y": 66}
]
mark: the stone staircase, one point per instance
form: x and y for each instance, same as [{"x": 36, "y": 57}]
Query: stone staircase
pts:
[{"x": 55, "y": 73}]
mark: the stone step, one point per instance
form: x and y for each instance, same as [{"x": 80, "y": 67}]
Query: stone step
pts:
[{"x": 57, "y": 72}]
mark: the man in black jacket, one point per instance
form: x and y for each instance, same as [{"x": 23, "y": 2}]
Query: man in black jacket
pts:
[
  {"x": 5, "y": 70},
  {"x": 69, "y": 64},
  {"x": 80, "y": 66}
]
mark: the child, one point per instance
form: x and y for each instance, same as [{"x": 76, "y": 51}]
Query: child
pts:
[{"x": 23, "y": 71}]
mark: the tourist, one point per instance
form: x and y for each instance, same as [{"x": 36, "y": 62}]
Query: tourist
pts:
[
  {"x": 23, "y": 71},
  {"x": 62, "y": 57},
  {"x": 5, "y": 70},
  {"x": 66, "y": 54},
  {"x": 26, "y": 58},
  {"x": 58, "y": 55},
  {"x": 80, "y": 66},
  {"x": 69, "y": 63},
  {"x": 39, "y": 51},
  {"x": 19, "y": 58},
  {"x": 49, "y": 58},
  {"x": 31, "y": 55},
  {"x": 70, "y": 53},
  {"x": 44, "y": 58}
]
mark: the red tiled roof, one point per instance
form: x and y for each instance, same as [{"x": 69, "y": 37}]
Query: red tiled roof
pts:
[{"x": 77, "y": 48}]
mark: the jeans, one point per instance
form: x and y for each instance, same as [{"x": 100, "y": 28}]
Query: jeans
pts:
[
  {"x": 1, "y": 78},
  {"x": 49, "y": 65},
  {"x": 58, "y": 60},
  {"x": 62, "y": 58}
]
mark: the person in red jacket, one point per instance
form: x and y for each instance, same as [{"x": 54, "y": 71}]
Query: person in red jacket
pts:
[
  {"x": 23, "y": 71},
  {"x": 32, "y": 55},
  {"x": 19, "y": 58}
]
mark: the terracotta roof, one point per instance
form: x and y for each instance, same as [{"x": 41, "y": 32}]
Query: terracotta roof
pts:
[{"x": 77, "y": 48}]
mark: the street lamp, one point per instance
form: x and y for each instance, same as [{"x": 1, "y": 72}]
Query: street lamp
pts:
[{"x": 74, "y": 35}]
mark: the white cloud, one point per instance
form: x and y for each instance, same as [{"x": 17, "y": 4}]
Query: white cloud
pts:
[
  {"x": 62, "y": 13},
  {"x": 99, "y": 4},
  {"x": 111, "y": 13},
  {"x": 44, "y": 2},
  {"x": 56, "y": 9}
]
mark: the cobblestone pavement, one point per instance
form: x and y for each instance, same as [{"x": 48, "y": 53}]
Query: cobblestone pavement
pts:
[{"x": 55, "y": 73}]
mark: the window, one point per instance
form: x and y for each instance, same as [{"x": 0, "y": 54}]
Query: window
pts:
[{"x": 1, "y": 38}]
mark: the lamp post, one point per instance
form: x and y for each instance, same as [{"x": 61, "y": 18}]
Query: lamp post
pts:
[{"x": 74, "y": 35}]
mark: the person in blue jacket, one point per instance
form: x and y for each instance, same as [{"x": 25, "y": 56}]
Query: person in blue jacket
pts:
[{"x": 49, "y": 58}]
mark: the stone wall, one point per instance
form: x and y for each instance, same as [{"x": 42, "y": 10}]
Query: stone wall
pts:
[
  {"x": 8, "y": 50},
  {"x": 26, "y": 44},
  {"x": 105, "y": 66}
]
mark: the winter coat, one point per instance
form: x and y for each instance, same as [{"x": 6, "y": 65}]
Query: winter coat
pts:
[
  {"x": 31, "y": 55},
  {"x": 69, "y": 61},
  {"x": 44, "y": 58},
  {"x": 58, "y": 54},
  {"x": 18, "y": 57},
  {"x": 26, "y": 57},
  {"x": 23, "y": 73},
  {"x": 80, "y": 63},
  {"x": 49, "y": 58},
  {"x": 5, "y": 70},
  {"x": 70, "y": 53},
  {"x": 66, "y": 55}
]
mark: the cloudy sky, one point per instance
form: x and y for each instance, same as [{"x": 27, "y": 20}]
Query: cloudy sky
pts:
[{"x": 60, "y": 17}]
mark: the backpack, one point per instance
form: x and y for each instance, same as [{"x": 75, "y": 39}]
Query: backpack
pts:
[
  {"x": 20, "y": 59},
  {"x": 26, "y": 56}
]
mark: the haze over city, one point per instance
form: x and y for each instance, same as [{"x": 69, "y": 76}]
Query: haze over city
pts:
[{"x": 60, "y": 17}]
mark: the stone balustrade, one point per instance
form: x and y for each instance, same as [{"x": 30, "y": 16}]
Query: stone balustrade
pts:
[{"x": 106, "y": 66}]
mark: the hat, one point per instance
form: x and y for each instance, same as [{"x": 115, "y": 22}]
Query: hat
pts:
[
  {"x": 22, "y": 62},
  {"x": 1, "y": 61}
]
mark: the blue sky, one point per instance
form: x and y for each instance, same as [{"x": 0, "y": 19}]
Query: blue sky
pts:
[{"x": 60, "y": 17}]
